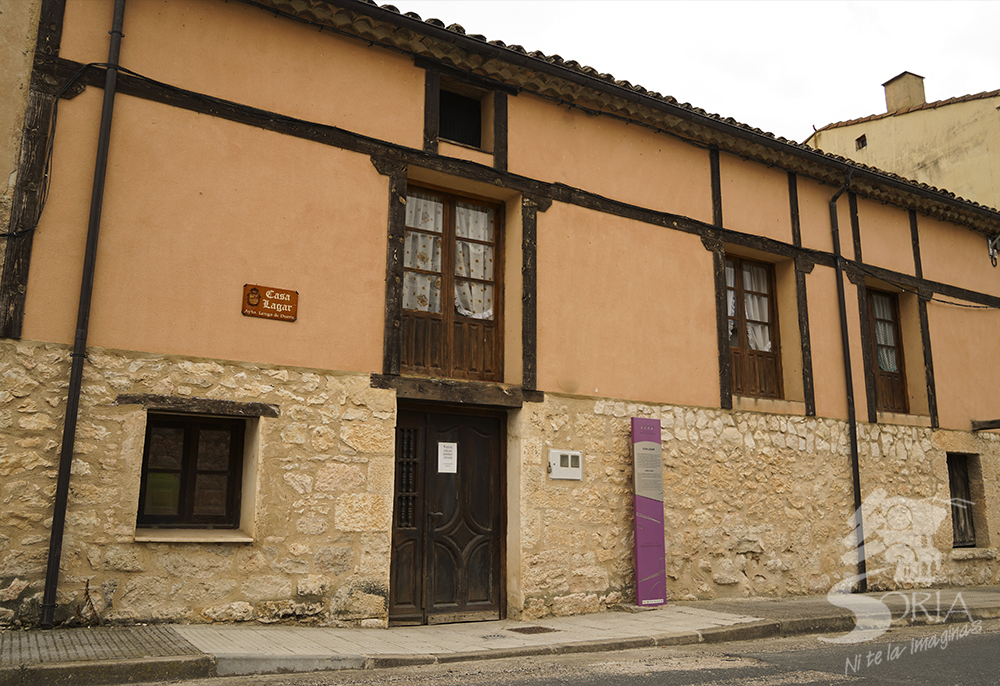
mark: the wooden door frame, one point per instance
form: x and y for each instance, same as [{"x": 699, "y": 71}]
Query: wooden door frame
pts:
[{"x": 503, "y": 415}]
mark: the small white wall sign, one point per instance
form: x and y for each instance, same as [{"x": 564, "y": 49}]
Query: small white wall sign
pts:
[{"x": 447, "y": 458}]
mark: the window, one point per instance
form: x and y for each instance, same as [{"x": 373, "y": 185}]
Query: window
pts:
[
  {"x": 753, "y": 329},
  {"x": 961, "y": 502},
  {"x": 887, "y": 352},
  {"x": 191, "y": 472},
  {"x": 860, "y": 142},
  {"x": 461, "y": 119},
  {"x": 451, "y": 287},
  {"x": 465, "y": 113}
]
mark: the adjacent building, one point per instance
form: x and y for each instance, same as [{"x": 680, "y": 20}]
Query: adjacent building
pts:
[
  {"x": 951, "y": 144},
  {"x": 357, "y": 274}
]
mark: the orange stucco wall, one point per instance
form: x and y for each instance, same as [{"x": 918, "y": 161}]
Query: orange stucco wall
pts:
[
  {"x": 967, "y": 376},
  {"x": 625, "y": 309},
  {"x": 197, "y": 206},
  {"x": 913, "y": 354},
  {"x": 857, "y": 350},
  {"x": 824, "y": 339},
  {"x": 190, "y": 216},
  {"x": 259, "y": 60},
  {"x": 957, "y": 256},
  {"x": 553, "y": 143},
  {"x": 755, "y": 198},
  {"x": 885, "y": 236},
  {"x": 814, "y": 214}
]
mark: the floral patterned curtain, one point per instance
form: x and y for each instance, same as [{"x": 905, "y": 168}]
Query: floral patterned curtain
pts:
[
  {"x": 474, "y": 261},
  {"x": 422, "y": 291}
]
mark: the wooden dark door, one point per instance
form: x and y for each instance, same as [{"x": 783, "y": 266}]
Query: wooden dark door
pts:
[{"x": 447, "y": 534}]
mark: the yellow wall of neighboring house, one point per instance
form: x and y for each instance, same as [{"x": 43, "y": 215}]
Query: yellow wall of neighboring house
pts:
[{"x": 954, "y": 147}]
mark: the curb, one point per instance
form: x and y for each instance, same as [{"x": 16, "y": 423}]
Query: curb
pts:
[
  {"x": 187, "y": 667},
  {"x": 816, "y": 625},
  {"x": 741, "y": 632},
  {"x": 249, "y": 664},
  {"x": 94, "y": 673}
]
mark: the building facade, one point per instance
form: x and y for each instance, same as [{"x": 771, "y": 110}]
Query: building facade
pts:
[
  {"x": 357, "y": 274},
  {"x": 951, "y": 144}
]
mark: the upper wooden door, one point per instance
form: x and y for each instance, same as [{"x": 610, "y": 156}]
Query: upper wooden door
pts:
[{"x": 447, "y": 536}]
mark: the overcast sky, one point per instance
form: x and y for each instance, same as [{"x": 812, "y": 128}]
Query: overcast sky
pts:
[{"x": 783, "y": 67}]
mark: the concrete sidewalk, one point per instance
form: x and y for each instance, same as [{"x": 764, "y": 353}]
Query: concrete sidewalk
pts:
[{"x": 164, "y": 652}]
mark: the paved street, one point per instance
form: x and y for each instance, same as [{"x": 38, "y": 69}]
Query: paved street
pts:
[
  {"x": 917, "y": 660},
  {"x": 132, "y": 654}
]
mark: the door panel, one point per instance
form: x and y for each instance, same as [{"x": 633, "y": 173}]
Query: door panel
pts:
[{"x": 450, "y": 545}]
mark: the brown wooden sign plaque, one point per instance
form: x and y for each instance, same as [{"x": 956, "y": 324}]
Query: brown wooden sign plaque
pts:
[{"x": 270, "y": 303}]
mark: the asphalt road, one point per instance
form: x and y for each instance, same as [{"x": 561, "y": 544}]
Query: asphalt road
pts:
[{"x": 916, "y": 656}]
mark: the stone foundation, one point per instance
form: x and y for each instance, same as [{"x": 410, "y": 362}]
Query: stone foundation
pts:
[
  {"x": 755, "y": 504},
  {"x": 324, "y": 479}
]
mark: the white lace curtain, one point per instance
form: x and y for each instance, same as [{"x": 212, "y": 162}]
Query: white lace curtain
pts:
[
  {"x": 473, "y": 260},
  {"x": 756, "y": 304},
  {"x": 423, "y": 251},
  {"x": 885, "y": 333}
]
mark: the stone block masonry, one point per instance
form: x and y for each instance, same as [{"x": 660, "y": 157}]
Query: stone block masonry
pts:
[
  {"x": 755, "y": 504},
  {"x": 323, "y": 494}
]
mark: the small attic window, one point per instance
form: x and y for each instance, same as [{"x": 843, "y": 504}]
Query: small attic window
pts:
[
  {"x": 465, "y": 114},
  {"x": 461, "y": 119},
  {"x": 464, "y": 111},
  {"x": 860, "y": 142}
]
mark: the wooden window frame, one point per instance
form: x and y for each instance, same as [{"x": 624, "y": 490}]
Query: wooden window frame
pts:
[
  {"x": 755, "y": 373},
  {"x": 960, "y": 487},
  {"x": 186, "y": 518},
  {"x": 417, "y": 356},
  {"x": 890, "y": 387}
]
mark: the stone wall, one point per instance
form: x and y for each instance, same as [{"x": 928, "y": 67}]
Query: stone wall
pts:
[
  {"x": 324, "y": 494},
  {"x": 755, "y": 504}
]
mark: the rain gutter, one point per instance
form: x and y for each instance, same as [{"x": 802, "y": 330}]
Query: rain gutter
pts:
[
  {"x": 852, "y": 420},
  {"x": 82, "y": 325}
]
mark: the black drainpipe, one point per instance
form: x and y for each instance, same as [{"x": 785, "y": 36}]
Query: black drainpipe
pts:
[
  {"x": 82, "y": 324},
  {"x": 852, "y": 422}
]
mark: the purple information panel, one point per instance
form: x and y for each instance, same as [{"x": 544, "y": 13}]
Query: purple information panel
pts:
[{"x": 650, "y": 550}]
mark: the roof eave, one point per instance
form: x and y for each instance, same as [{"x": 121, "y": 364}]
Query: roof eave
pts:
[{"x": 814, "y": 163}]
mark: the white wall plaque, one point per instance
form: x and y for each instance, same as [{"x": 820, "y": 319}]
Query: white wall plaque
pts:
[{"x": 447, "y": 458}]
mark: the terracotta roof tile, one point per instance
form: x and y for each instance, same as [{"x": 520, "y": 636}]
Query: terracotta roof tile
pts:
[
  {"x": 590, "y": 71},
  {"x": 925, "y": 106},
  {"x": 297, "y": 7}
]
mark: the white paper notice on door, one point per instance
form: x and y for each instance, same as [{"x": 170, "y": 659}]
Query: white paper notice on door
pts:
[{"x": 447, "y": 458}]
